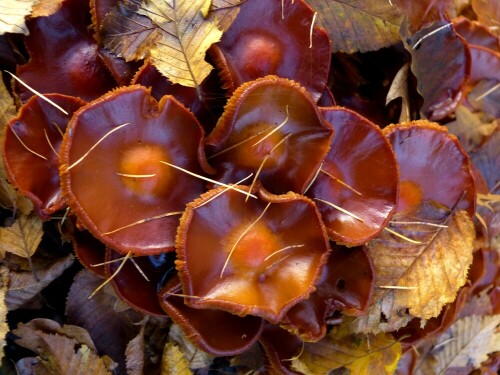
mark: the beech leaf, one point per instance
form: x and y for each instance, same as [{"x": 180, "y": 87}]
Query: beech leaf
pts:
[
  {"x": 174, "y": 34},
  {"x": 399, "y": 89},
  {"x": 359, "y": 25},
  {"x": 174, "y": 362},
  {"x": 419, "y": 277},
  {"x": 488, "y": 13},
  {"x": 22, "y": 237},
  {"x": 466, "y": 343},
  {"x": 361, "y": 354},
  {"x": 12, "y": 15},
  {"x": 4, "y": 327}
]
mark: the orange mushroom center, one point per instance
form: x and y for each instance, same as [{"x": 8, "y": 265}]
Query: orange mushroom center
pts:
[
  {"x": 140, "y": 169},
  {"x": 410, "y": 196},
  {"x": 262, "y": 53}
]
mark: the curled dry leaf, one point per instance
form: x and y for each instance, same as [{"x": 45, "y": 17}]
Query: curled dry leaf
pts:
[
  {"x": 175, "y": 35},
  {"x": 12, "y": 14},
  {"x": 419, "y": 277},
  {"x": 173, "y": 361},
  {"x": 399, "y": 89},
  {"x": 361, "y": 354},
  {"x": 62, "y": 350},
  {"x": 355, "y": 25},
  {"x": 22, "y": 237},
  {"x": 24, "y": 285}
]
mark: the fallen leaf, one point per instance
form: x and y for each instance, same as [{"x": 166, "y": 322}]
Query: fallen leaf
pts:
[
  {"x": 63, "y": 350},
  {"x": 44, "y": 8},
  {"x": 359, "y": 25},
  {"x": 361, "y": 354},
  {"x": 197, "y": 358},
  {"x": 134, "y": 353},
  {"x": 470, "y": 128},
  {"x": 485, "y": 97},
  {"x": 12, "y": 16},
  {"x": 25, "y": 285},
  {"x": 174, "y": 362},
  {"x": 466, "y": 343},
  {"x": 224, "y": 12},
  {"x": 487, "y": 160},
  {"x": 175, "y": 35},
  {"x": 488, "y": 13},
  {"x": 422, "y": 12},
  {"x": 420, "y": 278},
  {"x": 4, "y": 327},
  {"x": 399, "y": 89},
  {"x": 22, "y": 237}
]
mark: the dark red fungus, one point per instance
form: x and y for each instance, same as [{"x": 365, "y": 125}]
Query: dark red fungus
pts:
[
  {"x": 64, "y": 62},
  {"x": 31, "y": 150},
  {"x": 281, "y": 347},
  {"x": 274, "y": 37},
  {"x": 112, "y": 173},
  {"x": 359, "y": 175},
  {"x": 272, "y": 128},
  {"x": 214, "y": 331},
  {"x": 258, "y": 257},
  {"x": 89, "y": 251}
]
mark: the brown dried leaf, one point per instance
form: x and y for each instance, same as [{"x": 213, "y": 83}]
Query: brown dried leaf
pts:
[
  {"x": 175, "y": 35},
  {"x": 361, "y": 354},
  {"x": 399, "y": 89},
  {"x": 134, "y": 353},
  {"x": 63, "y": 350},
  {"x": 22, "y": 237},
  {"x": 419, "y": 277},
  {"x": 197, "y": 358},
  {"x": 359, "y": 25},
  {"x": 470, "y": 128},
  {"x": 466, "y": 343},
  {"x": 174, "y": 362},
  {"x": 488, "y": 13},
  {"x": 12, "y": 15},
  {"x": 224, "y": 12},
  {"x": 45, "y": 8},
  {"x": 24, "y": 285},
  {"x": 4, "y": 328}
]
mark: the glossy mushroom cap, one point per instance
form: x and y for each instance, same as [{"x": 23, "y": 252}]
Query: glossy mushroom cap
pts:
[
  {"x": 359, "y": 175},
  {"x": 258, "y": 257},
  {"x": 113, "y": 173},
  {"x": 274, "y": 37},
  {"x": 31, "y": 150},
  {"x": 272, "y": 128}
]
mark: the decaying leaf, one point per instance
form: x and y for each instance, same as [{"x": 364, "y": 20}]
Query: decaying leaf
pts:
[
  {"x": 63, "y": 350},
  {"x": 45, "y": 8},
  {"x": 359, "y": 25},
  {"x": 399, "y": 89},
  {"x": 488, "y": 13},
  {"x": 361, "y": 354},
  {"x": 466, "y": 344},
  {"x": 420, "y": 278},
  {"x": 26, "y": 284},
  {"x": 4, "y": 328},
  {"x": 197, "y": 358},
  {"x": 470, "y": 129},
  {"x": 224, "y": 12},
  {"x": 12, "y": 14},
  {"x": 135, "y": 353},
  {"x": 174, "y": 362},
  {"x": 22, "y": 237},
  {"x": 174, "y": 34}
]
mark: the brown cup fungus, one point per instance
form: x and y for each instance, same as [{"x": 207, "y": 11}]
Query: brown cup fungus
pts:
[
  {"x": 272, "y": 128},
  {"x": 118, "y": 171},
  {"x": 356, "y": 188},
  {"x": 31, "y": 150},
  {"x": 274, "y": 37},
  {"x": 257, "y": 257},
  {"x": 216, "y": 332}
]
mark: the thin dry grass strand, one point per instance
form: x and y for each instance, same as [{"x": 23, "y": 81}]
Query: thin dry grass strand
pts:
[
  {"x": 36, "y": 92},
  {"x": 296, "y": 356},
  {"x": 430, "y": 34},
  {"x": 238, "y": 144},
  {"x": 223, "y": 191},
  {"x": 488, "y": 92},
  {"x": 50, "y": 143},
  {"x": 248, "y": 194},
  {"x": 418, "y": 223},
  {"x": 136, "y": 175},
  {"x": 142, "y": 221},
  {"x": 240, "y": 238},
  {"x": 26, "y": 147},
  {"x": 402, "y": 237},
  {"x": 65, "y": 215},
  {"x": 276, "y": 262},
  {"x": 96, "y": 144},
  {"x": 283, "y": 249},
  {"x": 184, "y": 295},
  {"x": 397, "y": 287},
  {"x": 107, "y": 262},
  {"x": 112, "y": 276},
  {"x": 340, "y": 209},
  {"x": 58, "y": 129},
  {"x": 341, "y": 182},
  {"x": 264, "y": 161},
  {"x": 274, "y": 130},
  {"x": 139, "y": 269},
  {"x": 282, "y": 9},
  {"x": 483, "y": 223},
  {"x": 312, "y": 29},
  {"x": 313, "y": 179}
]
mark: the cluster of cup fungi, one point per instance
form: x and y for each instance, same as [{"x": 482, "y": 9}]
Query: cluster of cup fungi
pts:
[{"x": 239, "y": 208}]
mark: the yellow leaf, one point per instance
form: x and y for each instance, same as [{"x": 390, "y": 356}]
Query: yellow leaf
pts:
[
  {"x": 174, "y": 34},
  {"x": 421, "y": 278},
  {"x": 44, "y": 8},
  {"x": 12, "y": 14},
  {"x": 4, "y": 328},
  {"x": 359, "y": 25},
  {"x": 22, "y": 238},
  {"x": 361, "y": 354},
  {"x": 174, "y": 362}
]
